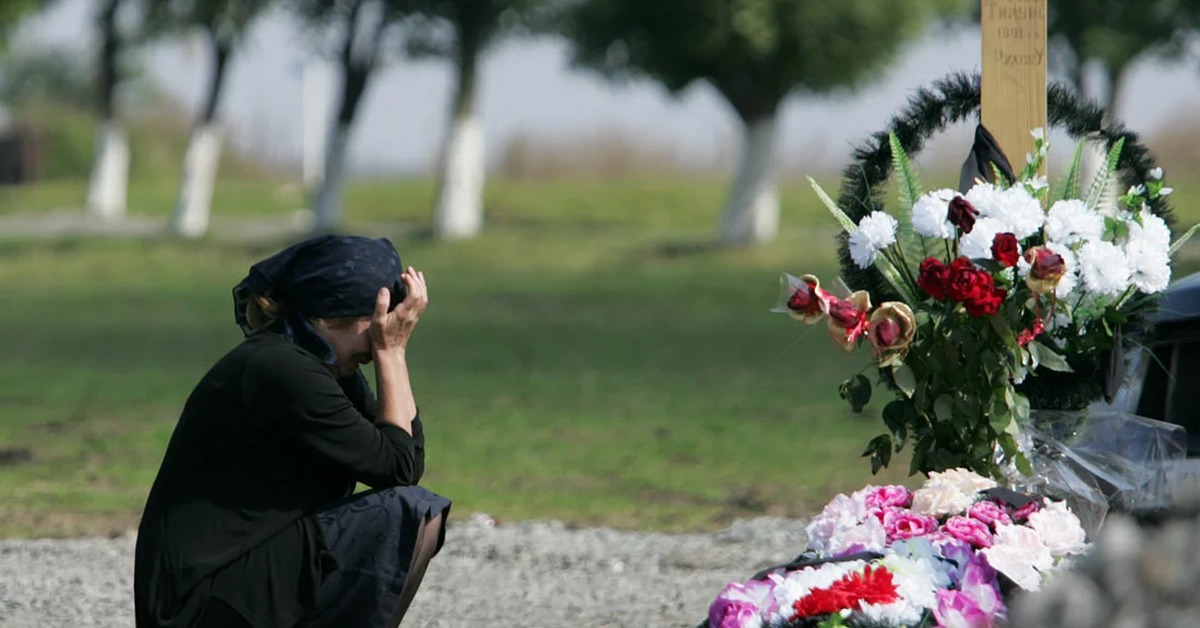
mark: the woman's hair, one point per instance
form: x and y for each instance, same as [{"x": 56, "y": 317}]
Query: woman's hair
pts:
[{"x": 262, "y": 312}]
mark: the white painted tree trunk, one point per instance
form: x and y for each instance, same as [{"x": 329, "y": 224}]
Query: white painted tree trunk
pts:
[
  {"x": 459, "y": 209},
  {"x": 752, "y": 210},
  {"x": 328, "y": 204},
  {"x": 110, "y": 173},
  {"x": 194, "y": 205}
]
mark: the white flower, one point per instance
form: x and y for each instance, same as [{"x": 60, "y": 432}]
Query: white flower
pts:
[
  {"x": 985, "y": 197},
  {"x": 949, "y": 492},
  {"x": 1156, "y": 174},
  {"x": 1019, "y": 553},
  {"x": 963, "y": 479},
  {"x": 874, "y": 233},
  {"x": 1037, "y": 183},
  {"x": 1104, "y": 268},
  {"x": 840, "y": 514},
  {"x": 1149, "y": 266},
  {"x": 1136, "y": 190},
  {"x": 1150, "y": 227},
  {"x": 1061, "y": 532},
  {"x": 1073, "y": 221},
  {"x": 868, "y": 536},
  {"x": 1038, "y": 133},
  {"x": 978, "y": 243},
  {"x": 930, "y": 214},
  {"x": 1019, "y": 210},
  {"x": 1166, "y": 191}
]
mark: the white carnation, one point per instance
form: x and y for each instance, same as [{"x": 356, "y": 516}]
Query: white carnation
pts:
[
  {"x": 1104, "y": 268},
  {"x": 1150, "y": 228},
  {"x": 985, "y": 197},
  {"x": 876, "y": 232},
  {"x": 1019, "y": 553},
  {"x": 1019, "y": 210},
  {"x": 963, "y": 479},
  {"x": 1073, "y": 221},
  {"x": 978, "y": 243},
  {"x": 930, "y": 214},
  {"x": 1149, "y": 265},
  {"x": 1059, "y": 528}
]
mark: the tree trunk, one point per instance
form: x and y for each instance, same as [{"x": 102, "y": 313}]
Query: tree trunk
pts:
[
  {"x": 202, "y": 160},
  {"x": 328, "y": 203},
  {"x": 752, "y": 209},
  {"x": 458, "y": 212},
  {"x": 110, "y": 169},
  {"x": 110, "y": 173}
]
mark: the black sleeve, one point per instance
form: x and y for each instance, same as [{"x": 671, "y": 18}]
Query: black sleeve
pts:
[
  {"x": 307, "y": 404},
  {"x": 363, "y": 398}
]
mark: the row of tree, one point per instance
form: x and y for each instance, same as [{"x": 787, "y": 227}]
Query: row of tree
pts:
[{"x": 755, "y": 53}]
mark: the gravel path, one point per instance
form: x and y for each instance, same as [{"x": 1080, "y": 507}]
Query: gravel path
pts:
[{"x": 531, "y": 574}]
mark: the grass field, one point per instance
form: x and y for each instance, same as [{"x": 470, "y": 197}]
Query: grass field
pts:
[{"x": 588, "y": 359}]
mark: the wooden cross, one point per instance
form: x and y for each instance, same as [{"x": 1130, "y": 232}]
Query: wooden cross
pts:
[{"x": 1013, "y": 90}]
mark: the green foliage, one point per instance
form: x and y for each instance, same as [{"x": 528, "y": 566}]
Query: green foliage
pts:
[
  {"x": 1116, "y": 32},
  {"x": 754, "y": 52},
  {"x": 11, "y": 14}
]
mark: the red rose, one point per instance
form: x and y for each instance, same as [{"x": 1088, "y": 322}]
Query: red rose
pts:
[
  {"x": 966, "y": 282},
  {"x": 933, "y": 276},
  {"x": 1046, "y": 269},
  {"x": 808, "y": 303},
  {"x": 962, "y": 214},
  {"x": 848, "y": 318},
  {"x": 986, "y": 304},
  {"x": 1005, "y": 249}
]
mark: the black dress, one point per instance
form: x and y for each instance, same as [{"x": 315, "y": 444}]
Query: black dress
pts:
[{"x": 267, "y": 450}]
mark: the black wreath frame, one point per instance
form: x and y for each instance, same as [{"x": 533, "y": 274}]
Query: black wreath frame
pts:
[{"x": 956, "y": 98}]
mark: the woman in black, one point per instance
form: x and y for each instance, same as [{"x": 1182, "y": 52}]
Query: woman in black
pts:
[{"x": 251, "y": 520}]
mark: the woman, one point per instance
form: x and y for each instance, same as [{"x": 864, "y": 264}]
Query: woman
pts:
[{"x": 251, "y": 521}]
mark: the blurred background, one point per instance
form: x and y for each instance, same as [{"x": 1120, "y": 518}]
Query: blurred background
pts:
[{"x": 602, "y": 194}]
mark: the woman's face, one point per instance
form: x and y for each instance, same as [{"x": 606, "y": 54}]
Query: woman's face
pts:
[{"x": 351, "y": 345}]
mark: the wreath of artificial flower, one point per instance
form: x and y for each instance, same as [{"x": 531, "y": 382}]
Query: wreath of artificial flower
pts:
[{"x": 954, "y": 99}]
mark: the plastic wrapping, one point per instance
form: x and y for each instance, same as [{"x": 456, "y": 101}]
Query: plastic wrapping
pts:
[{"x": 1099, "y": 459}]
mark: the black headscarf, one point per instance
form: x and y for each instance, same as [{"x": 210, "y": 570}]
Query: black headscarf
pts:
[{"x": 323, "y": 277}]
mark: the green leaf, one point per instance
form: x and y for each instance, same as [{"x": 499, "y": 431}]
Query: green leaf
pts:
[
  {"x": 880, "y": 451},
  {"x": 943, "y": 408},
  {"x": 1183, "y": 239},
  {"x": 847, "y": 223},
  {"x": 856, "y": 391},
  {"x": 910, "y": 184},
  {"x": 905, "y": 380},
  {"x": 1023, "y": 464},
  {"x": 894, "y": 417},
  {"x": 1071, "y": 180},
  {"x": 1047, "y": 357},
  {"x": 1103, "y": 179}
]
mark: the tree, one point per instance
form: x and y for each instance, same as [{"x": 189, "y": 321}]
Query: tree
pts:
[
  {"x": 110, "y": 170},
  {"x": 360, "y": 32},
  {"x": 755, "y": 53},
  {"x": 11, "y": 14},
  {"x": 1112, "y": 35},
  {"x": 468, "y": 28},
  {"x": 224, "y": 24}
]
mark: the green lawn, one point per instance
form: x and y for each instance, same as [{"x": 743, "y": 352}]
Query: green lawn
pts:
[{"x": 588, "y": 359}]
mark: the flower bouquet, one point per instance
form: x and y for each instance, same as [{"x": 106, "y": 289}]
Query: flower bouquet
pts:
[
  {"x": 942, "y": 555},
  {"x": 990, "y": 289}
]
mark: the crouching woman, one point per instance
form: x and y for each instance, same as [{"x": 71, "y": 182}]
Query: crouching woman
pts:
[{"x": 252, "y": 520}]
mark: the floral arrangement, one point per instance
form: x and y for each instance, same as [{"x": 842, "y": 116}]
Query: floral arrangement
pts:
[
  {"x": 994, "y": 289},
  {"x": 942, "y": 555}
]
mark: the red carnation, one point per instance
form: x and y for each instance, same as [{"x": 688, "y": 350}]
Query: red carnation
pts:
[
  {"x": 932, "y": 277},
  {"x": 962, "y": 214},
  {"x": 1005, "y": 249},
  {"x": 872, "y": 586}
]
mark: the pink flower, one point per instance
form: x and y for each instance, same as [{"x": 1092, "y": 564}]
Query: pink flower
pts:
[
  {"x": 905, "y": 524},
  {"x": 742, "y": 605},
  {"x": 1023, "y": 512},
  {"x": 956, "y": 609},
  {"x": 988, "y": 512},
  {"x": 893, "y": 495},
  {"x": 969, "y": 531}
]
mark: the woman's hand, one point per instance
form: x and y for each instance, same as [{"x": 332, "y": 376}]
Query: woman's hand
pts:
[{"x": 391, "y": 330}]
